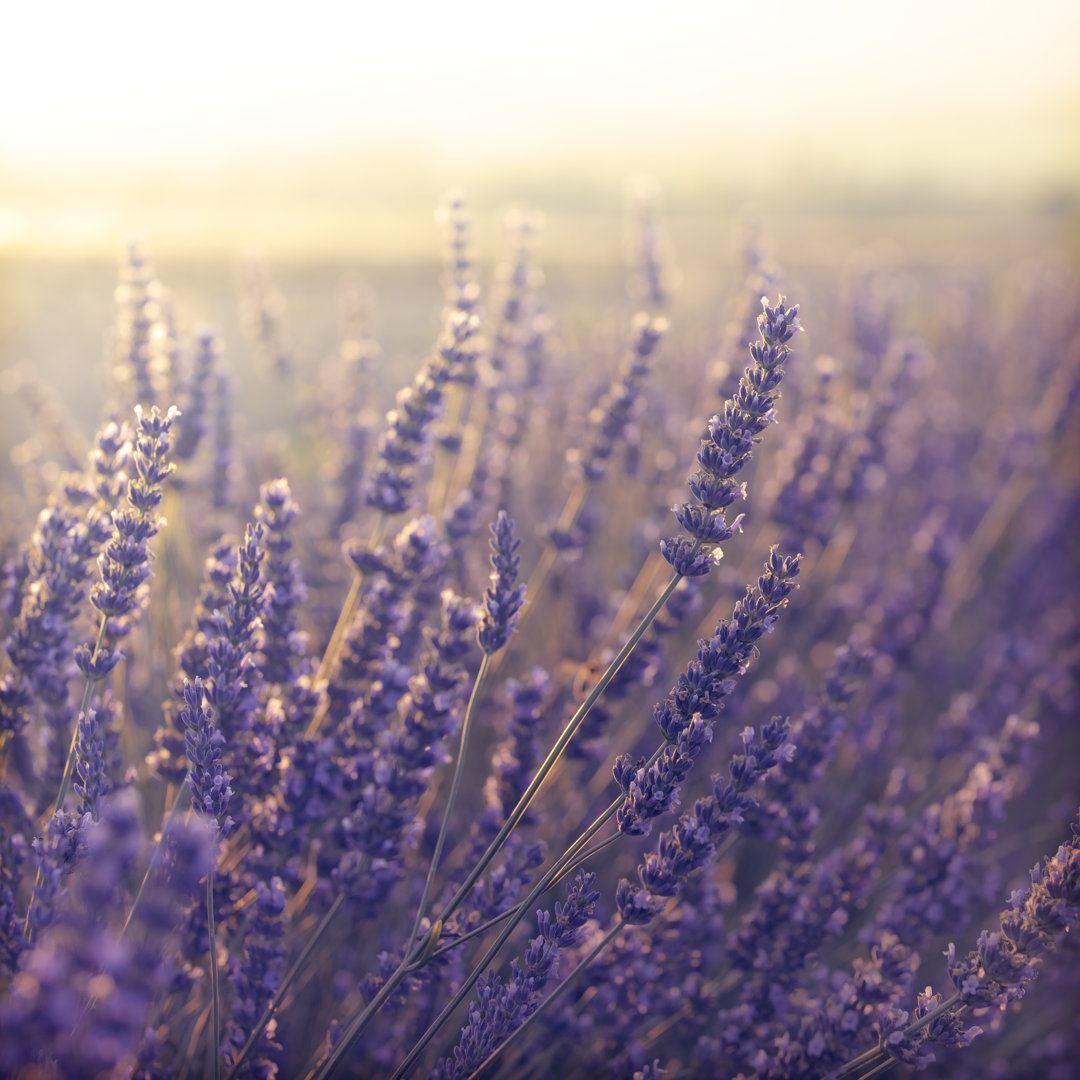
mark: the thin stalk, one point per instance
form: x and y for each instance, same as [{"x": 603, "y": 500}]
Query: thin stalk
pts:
[
  {"x": 181, "y": 797},
  {"x": 215, "y": 982},
  {"x": 455, "y": 416},
  {"x": 552, "y": 997},
  {"x": 919, "y": 1024},
  {"x": 565, "y": 522},
  {"x": 473, "y": 436},
  {"x": 421, "y": 957},
  {"x": 557, "y": 750},
  {"x": 69, "y": 766},
  {"x": 323, "y": 1069},
  {"x": 337, "y": 638},
  {"x": 548, "y": 557},
  {"x": 863, "y": 1059},
  {"x": 853, "y": 1066},
  {"x": 518, "y": 909},
  {"x": 635, "y": 594},
  {"x": 886, "y": 1066},
  {"x": 459, "y": 768},
  {"x": 194, "y": 1038},
  {"x": 478, "y": 970},
  {"x": 290, "y": 976}
]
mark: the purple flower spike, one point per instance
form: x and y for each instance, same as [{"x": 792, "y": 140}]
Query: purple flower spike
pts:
[
  {"x": 208, "y": 780},
  {"x": 125, "y": 563},
  {"x": 503, "y": 599},
  {"x": 686, "y": 715},
  {"x": 501, "y": 1007},
  {"x": 727, "y": 445}
]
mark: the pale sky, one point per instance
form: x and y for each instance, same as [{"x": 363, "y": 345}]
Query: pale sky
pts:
[
  {"x": 198, "y": 82},
  {"x": 300, "y": 124}
]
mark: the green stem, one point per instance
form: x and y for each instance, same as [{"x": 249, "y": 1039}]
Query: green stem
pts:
[{"x": 466, "y": 727}]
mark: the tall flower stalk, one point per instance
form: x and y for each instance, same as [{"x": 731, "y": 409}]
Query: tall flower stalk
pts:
[{"x": 502, "y": 602}]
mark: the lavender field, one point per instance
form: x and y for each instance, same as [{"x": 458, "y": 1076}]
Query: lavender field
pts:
[{"x": 542, "y": 663}]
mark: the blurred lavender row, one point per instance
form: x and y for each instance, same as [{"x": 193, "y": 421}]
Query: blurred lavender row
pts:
[{"x": 691, "y": 696}]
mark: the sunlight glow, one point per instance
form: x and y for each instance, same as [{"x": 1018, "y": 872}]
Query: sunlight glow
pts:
[{"x": 206, "y": 80}]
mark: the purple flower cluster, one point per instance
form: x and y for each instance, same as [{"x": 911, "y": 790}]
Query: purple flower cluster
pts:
[
  {"x": 686, "y": 716},
  {"x": 502, "y": 1007},
  {"x": 727, "y": 445},
  {"x": 693, "y": 841},
  {"x": 208, "y": 780},
  {"x": 503, "y": 598}
]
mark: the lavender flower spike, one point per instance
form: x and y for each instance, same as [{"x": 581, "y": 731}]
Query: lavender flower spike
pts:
[
  {"x": 503, "y": 599},
  {"x": 999, "y": 970},
  {"x": 208, "y": 780},
  {"x": 125, "y": 563},
  {"x": 727, "y": 445}
]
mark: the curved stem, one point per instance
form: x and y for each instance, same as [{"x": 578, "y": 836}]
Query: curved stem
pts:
[
  {"x": 557, "y": 750},
  {"x": 459, "y": 767}
]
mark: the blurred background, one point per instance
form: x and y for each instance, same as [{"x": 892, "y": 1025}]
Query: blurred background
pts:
[
  {"x": 317, "y": 141},
  {"x": 333, "y": 129}
]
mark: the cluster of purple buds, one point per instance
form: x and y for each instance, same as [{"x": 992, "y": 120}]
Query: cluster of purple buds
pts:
[
  {"x": 503, "y": 599},
  {"x": 728, "y": 443},
  {"x": 125, "y": 562},
  {"x": 207, "y": 779},
  {"x": 693, "y": 840}
]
